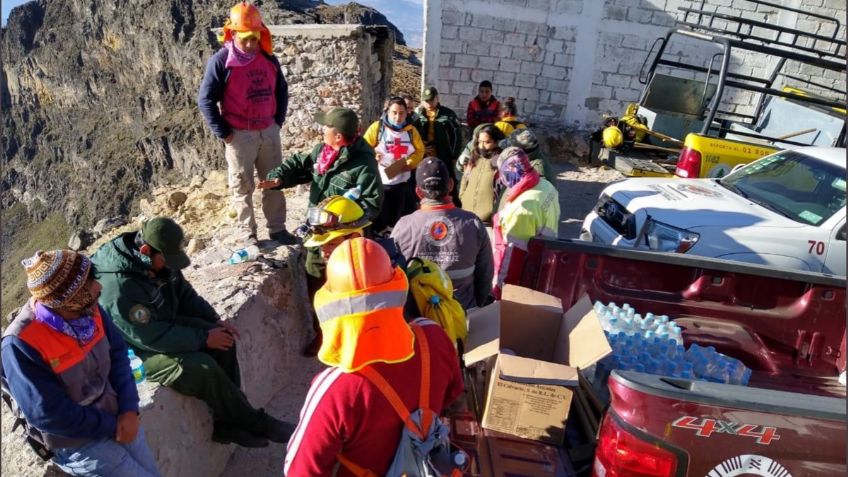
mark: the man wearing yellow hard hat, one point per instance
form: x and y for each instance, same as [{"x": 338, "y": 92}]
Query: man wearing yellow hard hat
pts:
[
  {"x": 328, "y": 224},
  {"x": 372, "y": 353},
  {"x": 244, "y": 98}
]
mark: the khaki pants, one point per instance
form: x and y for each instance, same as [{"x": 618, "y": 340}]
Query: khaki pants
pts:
[{"x": 260, "y": 150}]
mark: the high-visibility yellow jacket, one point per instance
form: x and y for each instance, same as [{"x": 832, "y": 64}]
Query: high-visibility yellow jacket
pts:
[{"x": 533, "y": 213}]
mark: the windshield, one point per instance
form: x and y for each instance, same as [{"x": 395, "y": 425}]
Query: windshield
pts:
[{"x": 803, "y": 188}]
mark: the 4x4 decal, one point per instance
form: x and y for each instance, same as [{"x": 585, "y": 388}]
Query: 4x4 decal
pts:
[{"x": 705, "y": 427}]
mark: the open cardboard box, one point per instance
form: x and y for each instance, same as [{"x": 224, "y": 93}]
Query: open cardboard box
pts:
[{"x": 528, "y": 392}]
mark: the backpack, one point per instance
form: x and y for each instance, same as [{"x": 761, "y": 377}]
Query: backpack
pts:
[
  {"x": 30, "y": 434},
  {"x": 424, "y": 449},
  {"x": 432, "y": 290}
]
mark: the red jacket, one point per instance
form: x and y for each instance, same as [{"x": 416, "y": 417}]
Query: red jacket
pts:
[
  {"x": 344, "y": 412},
  {"x": 480, "y": 112}
]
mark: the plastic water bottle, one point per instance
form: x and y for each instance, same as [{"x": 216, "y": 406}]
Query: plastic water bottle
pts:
[
  {"x": 353, "y": 194},
  {"x": 137, "y": 367},
  {"x": 244, "y": 255}
]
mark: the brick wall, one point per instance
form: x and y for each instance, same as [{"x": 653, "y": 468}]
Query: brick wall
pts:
[{"x": 569, "y": 61}]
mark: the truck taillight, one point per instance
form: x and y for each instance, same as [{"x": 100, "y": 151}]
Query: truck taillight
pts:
[
  {"x": 621, "y": 454},
  {"x": 689, "y": 163}
]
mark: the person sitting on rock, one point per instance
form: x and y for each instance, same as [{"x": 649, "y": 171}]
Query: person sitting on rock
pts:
[
  {"x": 178, "y": 335},
  {"x": 343, "y": 161},
  {"x": 347, "y": 422},
  {"x": 509, "y": 121},
  {"x": 453, "y": 238},
  {"x": 529, "y": 208},
  {"x": 484, "y": 108},
  {"x": 442, "y": 134},
  {"x": 66, "y": 367},
  {"x": 399, "y": 149},
  {"x": 244, "y": 98}
]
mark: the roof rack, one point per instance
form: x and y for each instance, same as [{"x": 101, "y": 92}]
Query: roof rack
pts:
[{"x": 749, "y": 30}]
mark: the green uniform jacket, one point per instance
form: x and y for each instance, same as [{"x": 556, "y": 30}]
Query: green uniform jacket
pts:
[
  {"x": 153, "y": 314},
  {"x": 447, "y": 132},
  {"x": 355, "y": 166},
  {"x": 542, "y": 165}
]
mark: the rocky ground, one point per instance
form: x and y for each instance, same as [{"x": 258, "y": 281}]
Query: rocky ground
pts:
[{"x": 406, "y": 74}]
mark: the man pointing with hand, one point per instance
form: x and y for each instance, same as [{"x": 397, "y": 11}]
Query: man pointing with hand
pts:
[{"x": 178, "y": 335}]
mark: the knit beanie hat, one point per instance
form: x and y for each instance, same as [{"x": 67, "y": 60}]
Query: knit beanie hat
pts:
[{"x": 56, "y": 278}]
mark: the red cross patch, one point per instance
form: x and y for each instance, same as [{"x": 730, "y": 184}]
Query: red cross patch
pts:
[{"x": 397, "y": 149}]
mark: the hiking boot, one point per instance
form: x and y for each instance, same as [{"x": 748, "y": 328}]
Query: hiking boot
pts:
[
  {"x": 224, "y": 434},
  {"x": 283, "y": 237},
  {"x": 273, "y": 429}
]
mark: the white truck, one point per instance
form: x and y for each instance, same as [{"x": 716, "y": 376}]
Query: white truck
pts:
[{"x": 786, "y": 210}]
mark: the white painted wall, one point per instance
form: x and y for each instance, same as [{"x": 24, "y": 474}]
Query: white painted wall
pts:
[{"x": 569, "y": 61}]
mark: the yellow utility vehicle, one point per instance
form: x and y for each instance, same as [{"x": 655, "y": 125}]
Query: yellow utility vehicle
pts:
[{"x": 704, "y": 110}]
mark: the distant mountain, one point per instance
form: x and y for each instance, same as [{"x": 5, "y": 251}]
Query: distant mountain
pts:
[
  {"x": 99, "y": 97},
  {"x": 406, "y": 15}
]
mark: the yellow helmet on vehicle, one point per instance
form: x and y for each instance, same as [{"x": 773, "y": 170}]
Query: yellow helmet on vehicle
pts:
[
  {"x": 334, "y": 217},
  {"x": 612, "y": 137}
]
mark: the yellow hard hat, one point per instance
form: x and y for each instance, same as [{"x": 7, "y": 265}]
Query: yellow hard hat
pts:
[
  {"x": 613, "y": 137},
  {"x": 636, "y": 125},
  {"x": 334, "y": 217}
]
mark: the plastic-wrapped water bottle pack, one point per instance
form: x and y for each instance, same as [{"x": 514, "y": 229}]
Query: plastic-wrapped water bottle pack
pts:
[{"x": 654, "y": 344}]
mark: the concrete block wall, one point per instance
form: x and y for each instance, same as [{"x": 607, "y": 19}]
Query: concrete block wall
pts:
[
  {"x": 328, "y": 66},
  {"x": 569, "y": 61}
]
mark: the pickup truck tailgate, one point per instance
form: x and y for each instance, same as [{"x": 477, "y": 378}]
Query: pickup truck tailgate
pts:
[{"x": 719, "y": 430}]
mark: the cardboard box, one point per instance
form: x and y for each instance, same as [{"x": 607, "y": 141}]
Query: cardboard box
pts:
[{"x": 537, "y": 351}]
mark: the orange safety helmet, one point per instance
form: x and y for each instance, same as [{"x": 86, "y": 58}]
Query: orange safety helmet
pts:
[
  {"x": 245, "y": 17},
  {"x": 360, "y": 308}
]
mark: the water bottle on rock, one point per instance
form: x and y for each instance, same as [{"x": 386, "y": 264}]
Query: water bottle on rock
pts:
[
  {"x": 244, "y": 255},
  {"x": 137, "y": 367}
]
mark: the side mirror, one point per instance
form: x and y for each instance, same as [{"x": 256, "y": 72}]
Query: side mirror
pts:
[{"x": 841, "y": 235}]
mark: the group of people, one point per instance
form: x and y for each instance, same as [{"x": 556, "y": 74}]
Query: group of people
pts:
[{"x": 403, "y": 189}]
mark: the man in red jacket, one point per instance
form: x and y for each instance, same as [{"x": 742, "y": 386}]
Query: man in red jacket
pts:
[
  {"x": 361, "y": 313},
  {"x": 484, "y": 108}
]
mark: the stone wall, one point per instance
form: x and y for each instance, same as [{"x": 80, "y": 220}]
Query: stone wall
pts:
[
  {"x": 569, "y": 61},
  {"x": 328, "y": 66}
]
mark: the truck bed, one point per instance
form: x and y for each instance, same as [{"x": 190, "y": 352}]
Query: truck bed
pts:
[{"x": 787, "y": 326}]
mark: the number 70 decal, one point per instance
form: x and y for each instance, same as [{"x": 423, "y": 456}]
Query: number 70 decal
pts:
[
  {"x": 705, "y": 427},
  {"x": 816, "y": 247}
]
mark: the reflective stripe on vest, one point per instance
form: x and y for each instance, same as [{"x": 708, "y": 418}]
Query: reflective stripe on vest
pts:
[{"x": 361, "y": 304}]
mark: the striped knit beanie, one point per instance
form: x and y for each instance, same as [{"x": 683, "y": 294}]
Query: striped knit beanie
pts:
[{"x": 55, "y": 278}]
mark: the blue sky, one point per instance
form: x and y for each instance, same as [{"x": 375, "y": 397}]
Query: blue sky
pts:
[
  {"x": 407, "y": 15},
  {"x": 8, "y": 5}
]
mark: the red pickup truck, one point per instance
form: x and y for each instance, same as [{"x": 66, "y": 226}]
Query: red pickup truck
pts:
[{"x": 788, "y": 327}]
